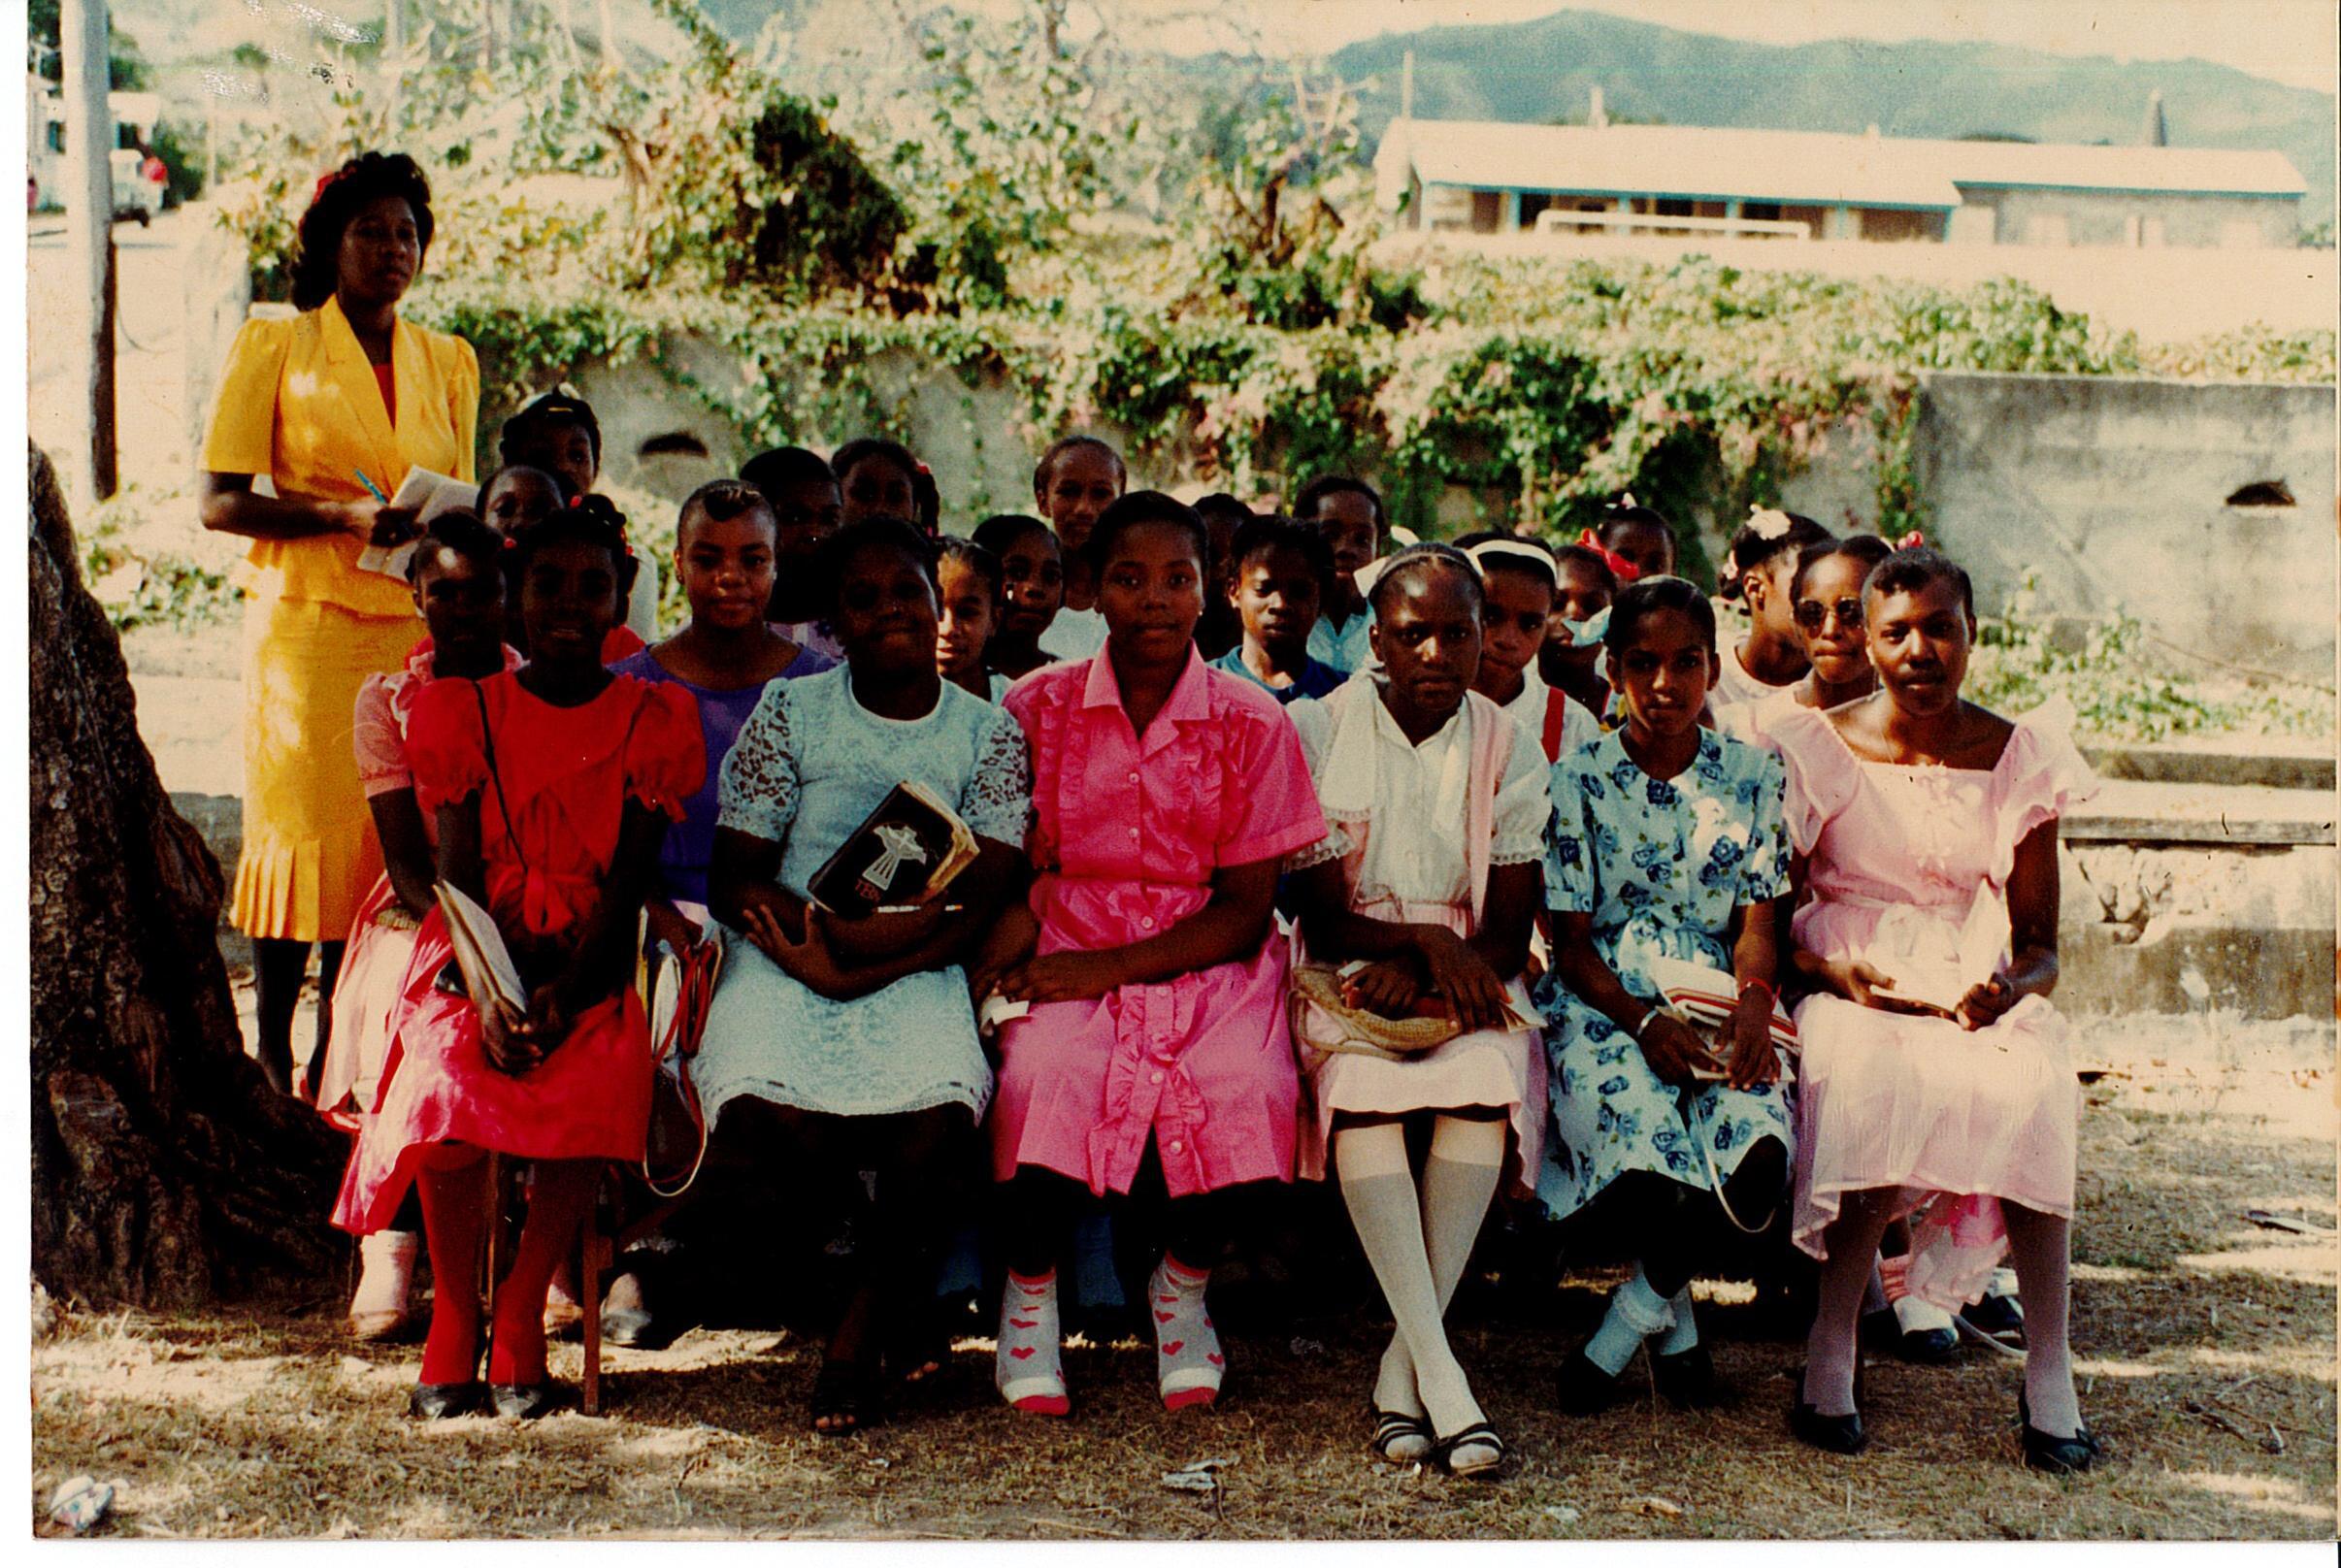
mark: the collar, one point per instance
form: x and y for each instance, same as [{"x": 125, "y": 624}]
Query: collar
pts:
[
  {"x": 1386, "y": 725},
  {"x": 1189, "y": 703},
  {"x": 346, "y": 362}
]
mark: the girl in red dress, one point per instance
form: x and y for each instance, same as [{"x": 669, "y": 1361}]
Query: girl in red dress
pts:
[{"x": 551, "y": 787}]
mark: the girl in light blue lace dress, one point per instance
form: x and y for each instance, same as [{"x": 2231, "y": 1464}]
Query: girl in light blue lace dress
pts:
[
  {"x": 849, "y": 1045},
  {"x": 1667, "y": 841}
]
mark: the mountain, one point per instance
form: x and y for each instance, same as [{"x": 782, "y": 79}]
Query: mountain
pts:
[{"x": 1544, "y": 70}]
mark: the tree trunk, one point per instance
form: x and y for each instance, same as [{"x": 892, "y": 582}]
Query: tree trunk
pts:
[{"x": 164, "y": 1171}]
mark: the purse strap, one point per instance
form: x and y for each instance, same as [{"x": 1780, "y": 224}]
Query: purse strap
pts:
[{"x": 487, "y": 744}]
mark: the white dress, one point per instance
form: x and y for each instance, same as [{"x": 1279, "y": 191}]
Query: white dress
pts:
[
  {"x": 1735, "y": 690},
  {"x": 1579, "y": 725},
  {"x": 1410, "y": 805}
]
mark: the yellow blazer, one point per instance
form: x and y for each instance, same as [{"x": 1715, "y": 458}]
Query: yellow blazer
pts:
[{"x": 298, "y": 402}]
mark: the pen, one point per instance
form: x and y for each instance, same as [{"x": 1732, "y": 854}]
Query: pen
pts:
[{"x": 372, "y": 489}]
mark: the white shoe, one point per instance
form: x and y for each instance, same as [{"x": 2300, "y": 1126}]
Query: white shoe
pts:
[{"x": 382, "y": 1306}]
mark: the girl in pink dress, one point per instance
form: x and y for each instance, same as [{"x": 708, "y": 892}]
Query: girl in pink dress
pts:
[
  {"x": 456, "y": 571},
  {"x": 1916, "y": 815},
  {"x": 1165, "y": 796},
  {"x": 552, "y": 787}
]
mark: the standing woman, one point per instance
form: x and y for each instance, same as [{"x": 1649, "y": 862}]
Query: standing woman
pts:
[{"x": 343, "y": 389}]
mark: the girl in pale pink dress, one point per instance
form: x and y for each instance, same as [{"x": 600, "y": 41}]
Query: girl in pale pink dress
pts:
[
  {"x": 1432, "y": 877},
  {"x": 1165, "y": 796},
  {"x": 1911, "y": 809},
  {"x": 456, "y": 571}
]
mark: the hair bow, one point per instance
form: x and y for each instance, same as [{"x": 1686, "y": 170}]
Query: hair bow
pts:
[
  {"x": 1768, "y": 522},
  {"x": 1912, "y": 541},
  {"x": 1623, "y": 570},
  {"x": 1626, "y": 500},
  {"x": 318, "y": 194}
]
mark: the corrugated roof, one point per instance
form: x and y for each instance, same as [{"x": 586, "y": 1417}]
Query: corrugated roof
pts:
[{"x": 1801, "y": 167}]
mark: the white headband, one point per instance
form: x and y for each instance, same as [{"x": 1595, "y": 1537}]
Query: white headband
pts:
[{"x": 1518, "y": 550}]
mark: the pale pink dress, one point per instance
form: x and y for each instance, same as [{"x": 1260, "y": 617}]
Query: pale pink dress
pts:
[
  {"x": 1128, "y": 832},
  {"x": 1955, "y": 1122},
  {"x": 1417, "y": 830},
  {"x": 373, "y": 968}
]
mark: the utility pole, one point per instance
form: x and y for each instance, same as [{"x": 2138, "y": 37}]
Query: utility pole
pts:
[{"x": 90, "y": 236}]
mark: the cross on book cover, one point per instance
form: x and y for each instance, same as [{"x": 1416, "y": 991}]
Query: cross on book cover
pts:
[{"x": 904, "y": 854}]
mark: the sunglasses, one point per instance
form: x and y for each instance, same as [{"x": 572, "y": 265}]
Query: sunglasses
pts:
[{"x": 1812, "y": 614}]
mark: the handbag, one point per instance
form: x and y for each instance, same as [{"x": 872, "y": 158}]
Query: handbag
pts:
[{"x": 682, "y": 991}]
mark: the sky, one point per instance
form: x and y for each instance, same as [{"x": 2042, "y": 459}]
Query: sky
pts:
[{"x": 2288, "y": 40}]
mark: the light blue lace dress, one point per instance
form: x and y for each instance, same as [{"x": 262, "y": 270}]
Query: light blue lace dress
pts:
[
  {"x": 1660, "y": 865},
  {"x": 810, "y": 764}
]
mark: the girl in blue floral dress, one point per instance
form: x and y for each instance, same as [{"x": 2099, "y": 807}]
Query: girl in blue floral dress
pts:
[{"x": 1667, "y": 841}]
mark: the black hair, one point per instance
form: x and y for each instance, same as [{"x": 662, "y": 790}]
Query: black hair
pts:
[
  {"x": 1334, "y": 484},
  {"x": 996, "y": 533},
  {"x": 926, "y": 497},
  {"x": 1219, "y": 504},
  {"x": 854, "y": 454},
  {"x": 1510, "y": 559},
  {"x": 590, "y": 519},
  {"x": 720, "y": 501},
  {"x": 1135, "y": 509},
  {"x": 784, "y": 467},
  {"x": 1907, "y": 572},
  {"x": 1645, "y": 597},
  {"x": 560, "y": 490},
  {"x": 1578, "y": 555},
  {"x": 975, "y": 558},
  {"x": 1866, "y": 548},
  {"x": 1416, "y": 558},
  {"x": 1751, "y": 549},
  {"x": 1257, "y": 535},
  {"x": 559, "y": 406},
  {"x": 1625, "y": 513},
  {"x": 458, "y": 530},
  {"x": 879, "y": 533},
  {"x": 1058, "y": 448},
  {"x": 316, "y": 266}
]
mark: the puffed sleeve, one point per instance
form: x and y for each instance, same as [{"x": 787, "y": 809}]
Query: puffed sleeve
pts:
[
  {"x": 667, "y": 753},
  {"x": 1524, "y": 803},
  {"x": 1765, "y": 873},
  {"x": 382, "y": 750},
  {"x": 1270, "y": 806},
  {"x": 463, "y": 410},
  {"x": 1313, "y": 724},
  {"x": 446, "y": 745},
  {"x": 2041, "y": 776},
  {"x": 242, "y": 437},
  {"x": 999, "y": 795},
  {"x": 756, "y": 792},
  {"x": 1821, "y": 774},
  {"x": 1570, "y": 886}
]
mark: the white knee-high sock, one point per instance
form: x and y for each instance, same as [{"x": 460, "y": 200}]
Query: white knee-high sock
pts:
[
  {"x": 1378, "y": 1187},
  {"x": 1458, "y": 1182},
  {"x": 1636, "y": 1313}
]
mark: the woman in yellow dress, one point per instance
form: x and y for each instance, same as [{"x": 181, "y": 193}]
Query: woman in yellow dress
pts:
[{"x": 329, "y": 407}]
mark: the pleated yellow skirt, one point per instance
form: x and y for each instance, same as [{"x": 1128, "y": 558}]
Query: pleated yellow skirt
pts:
[{"x": 310, "y": 852}]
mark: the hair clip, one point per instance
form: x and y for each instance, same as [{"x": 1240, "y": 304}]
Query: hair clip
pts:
[
  {"x": 511, "y": 542},
  {"x": 1626, "y": 500},
  {"x": 1768, "y": 522},
  {"x": 1912, "y": 541}
]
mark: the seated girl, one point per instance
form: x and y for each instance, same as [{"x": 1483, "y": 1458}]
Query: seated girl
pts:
[
  {"x": 457, "y": 574},
  {"x": 968, "y": 585},
  {"x": 1280, "y": 574},
  {"x": 1032, "y": 591},
  {"x": 1432, "y": 874},
  {"x": 516, "y": 497},
  {"x": 1922, "y": 820},
  {"x": 1166, "y": 795},
  {"x": 1523, "y": 585},
  {"x": 1825, "y": 596},
  {"x": 851, "y": 1043},
  {"x": 1759, "y": 573},
  {"x": 551, "y": 786},
  {"x": 1666, "y": 843},
  {"x": 1570, "y": 660}
]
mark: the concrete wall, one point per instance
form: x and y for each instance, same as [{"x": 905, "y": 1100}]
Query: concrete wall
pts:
[{"x": 2082, "y": 217}]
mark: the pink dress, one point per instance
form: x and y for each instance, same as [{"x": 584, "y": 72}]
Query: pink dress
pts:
[
  {"x": 1956, "y": 1123},
  {"x": 373, "y": 968},
  {"x": 1128, "y": 832}
]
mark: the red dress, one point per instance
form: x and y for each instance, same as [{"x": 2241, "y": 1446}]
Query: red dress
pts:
[{"x": 564, "y": 775}]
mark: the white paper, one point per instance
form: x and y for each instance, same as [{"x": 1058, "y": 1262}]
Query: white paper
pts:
[
  {"x": 998, "y": 1010},
  {"x": 425, "y": 494},
  {"x": 480, "y": 950}
]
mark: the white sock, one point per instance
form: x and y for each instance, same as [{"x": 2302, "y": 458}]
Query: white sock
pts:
[
  {"x": 1685, "y": 1333},
  {"x": 1458, "y": 1182},
  {"x": 1028, "y": 1366},
  {"x": 1188, "y": 1364},
  {"x": 1636, "y": 1313},
  {"x": 386, "y": 1271},
  {"x": 1378, "y": 1187}
]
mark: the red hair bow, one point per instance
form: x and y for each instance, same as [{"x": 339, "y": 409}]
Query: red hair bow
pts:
[
  {"x": 1912, "y": 541},
  {"x": 326, "y": 178},
  {"x": 1624, "y": 569}
]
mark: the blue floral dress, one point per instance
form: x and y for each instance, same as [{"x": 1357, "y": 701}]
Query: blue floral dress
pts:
[{"x": 1660, "y": 865}]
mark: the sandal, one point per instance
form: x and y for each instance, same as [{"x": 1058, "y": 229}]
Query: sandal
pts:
[
  {"x": 845, "y": 1394},
  {"x": 1398, "y": 1437},
  {"x": 920, "y": 1353},
  {"x": 1478, "y": 1435}
]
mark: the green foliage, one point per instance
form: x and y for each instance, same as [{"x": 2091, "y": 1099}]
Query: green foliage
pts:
[
  {"x": 126, "y": 69},
  {"x": 138, "y": 563},
  {"x": 183, "y": 160}
]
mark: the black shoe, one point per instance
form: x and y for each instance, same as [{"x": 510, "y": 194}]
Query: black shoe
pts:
[
  {"x": 524, "y": 1401},
  {"x": 1999, "y": 1316},
  {"x": 2058, "y": 1455},
  {"x": 1928, "y": 1347},
  {"x": 1479, "y": 1434},
  {"x": 441, "y": 1401},
  {"x": 1583, "y": 1389},
  {"x": 1831, "y": 1434},
  {"x": 1686, "y": 1379}
]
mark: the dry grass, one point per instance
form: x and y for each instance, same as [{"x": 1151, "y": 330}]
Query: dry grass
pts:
[{"x": 2207, "y": 1342}]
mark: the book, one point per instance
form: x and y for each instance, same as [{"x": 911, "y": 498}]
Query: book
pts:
[
  {"x": 489, "y": 974},
  {"x": 903, "y": 855},
  {"x": 1705, "y": 998},
  {"x": 425, "y": 494},
  {"x": 1938, "y": 986}
]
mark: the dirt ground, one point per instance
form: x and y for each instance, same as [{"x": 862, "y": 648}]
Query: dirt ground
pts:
[{"x": 2207, "y": 1345}]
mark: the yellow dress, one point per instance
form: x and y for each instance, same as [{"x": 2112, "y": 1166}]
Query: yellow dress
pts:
[{"x": 298, "y": 402}]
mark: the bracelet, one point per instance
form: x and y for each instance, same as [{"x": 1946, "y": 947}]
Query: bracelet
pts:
[
  {"x": 1635, "y": 1034},
  {"x": 1765, "y": 986}
]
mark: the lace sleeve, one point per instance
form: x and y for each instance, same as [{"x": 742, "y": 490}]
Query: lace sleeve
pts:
[
  {"x": 1523, "y": 805},
  {"x": 1332, "y": 847},
  {"x": 756, "y": 792},
  {"x": 997, "y": 802}
]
